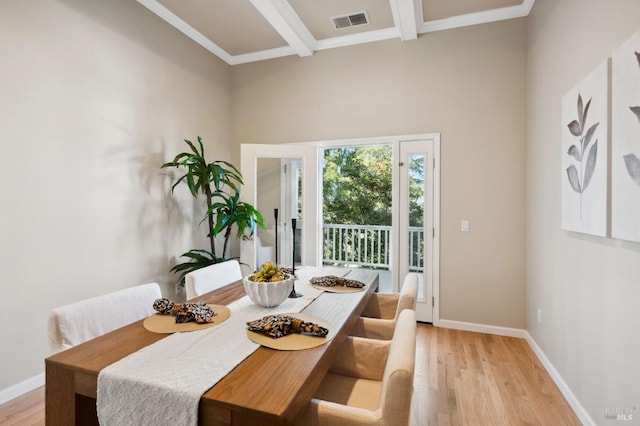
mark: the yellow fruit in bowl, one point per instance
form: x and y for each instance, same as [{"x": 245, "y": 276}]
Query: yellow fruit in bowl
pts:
[
  {"x": 269, "y": 286},
  {"x": 268, "y": 273}
]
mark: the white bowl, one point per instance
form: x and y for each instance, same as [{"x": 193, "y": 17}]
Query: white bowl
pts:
[{"x": 268, "y": 295}]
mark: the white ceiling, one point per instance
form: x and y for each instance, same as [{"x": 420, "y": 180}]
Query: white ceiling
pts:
[{"x": 241, "y": 31}]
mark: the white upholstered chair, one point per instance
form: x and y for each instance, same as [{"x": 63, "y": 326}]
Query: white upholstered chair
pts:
[
  {"x": 211, "y": 277},
  {"x": 78, "y": 322},
  {"x": 378, "y": 319},
  {"x": 370, "y": 382},
  {"x": 263, "y": 253}
]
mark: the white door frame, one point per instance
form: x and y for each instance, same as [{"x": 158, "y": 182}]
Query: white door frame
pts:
[
  {"x": 312, "y": 231},
  {"x": 249, "y": 154},
  {"x": 425, "y": 305}
]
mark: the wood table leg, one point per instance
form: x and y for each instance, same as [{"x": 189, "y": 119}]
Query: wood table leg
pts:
[{"x": 60, "y": 396}]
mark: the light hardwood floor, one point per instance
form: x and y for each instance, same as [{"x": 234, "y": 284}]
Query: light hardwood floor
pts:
[
  {"x": 26, "y": 410},
  {"x": 462, "y": 378},
  {"x": 465, "y": 378}
]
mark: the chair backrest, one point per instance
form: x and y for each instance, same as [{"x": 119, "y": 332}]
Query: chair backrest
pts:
[
  {"x": 397, "y": 381},
  {"x": 263, "y": 253},
  {"x": 389, "y": 305},
  {"x": 408, "y": 293},
  {"x": 78, "y": 322},
  {"x": 211, "y": 277}
]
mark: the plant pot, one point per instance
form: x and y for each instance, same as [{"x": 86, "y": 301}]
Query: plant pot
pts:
[{"x": 268, "y": 294}]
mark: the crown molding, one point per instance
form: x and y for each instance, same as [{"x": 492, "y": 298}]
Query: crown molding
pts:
[
  {"x": 262, "y": 55},
  {"x": 484, "y": 17},
  {"x": 407, "y": 14}
]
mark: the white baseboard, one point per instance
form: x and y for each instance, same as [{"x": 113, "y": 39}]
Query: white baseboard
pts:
[
  {"x": 483, "y": 328},
  {"x": 21, "y": 388},
  {"x": 582, "y": 414}
]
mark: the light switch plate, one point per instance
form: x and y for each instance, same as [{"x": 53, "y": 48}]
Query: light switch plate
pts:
[{"x": 464, "y": 226}]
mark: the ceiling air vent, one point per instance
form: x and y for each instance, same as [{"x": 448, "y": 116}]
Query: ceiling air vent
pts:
[{"x": 350, "y": 20}]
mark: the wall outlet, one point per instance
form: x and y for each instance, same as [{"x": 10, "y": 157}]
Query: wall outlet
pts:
[
  {"x": 464, "y": 225},
  {"x": 539, "y": 316}
]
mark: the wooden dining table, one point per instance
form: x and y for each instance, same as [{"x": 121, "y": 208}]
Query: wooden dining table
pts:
[{"x": 270, "y": 387}]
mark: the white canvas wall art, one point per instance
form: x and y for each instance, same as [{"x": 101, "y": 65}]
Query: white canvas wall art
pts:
[
  {"x": 625, "y": 140},
  {"x": 584, "y": 185}
]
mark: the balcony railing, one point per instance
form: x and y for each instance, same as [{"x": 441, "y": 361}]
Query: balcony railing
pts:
[{"x": 369, "y": 246}]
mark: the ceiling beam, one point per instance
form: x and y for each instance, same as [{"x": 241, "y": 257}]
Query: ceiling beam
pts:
[
  {"x": 358, "y": 38},
  {"x": 288, "y": 24},
  {"x": 527, "y": 5},
  {"x": 186, "y": 29},
  {"x": 405, "y": 18}
]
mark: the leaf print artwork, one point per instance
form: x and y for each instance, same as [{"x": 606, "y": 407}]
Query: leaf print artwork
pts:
[
  {"x": 624, "y": 121},
  {"x": 580, "y": 180},
  {"x": 631, "y": 161},
  {"x": 632, "y": 164},
  {"x": 584, "y": 153}
]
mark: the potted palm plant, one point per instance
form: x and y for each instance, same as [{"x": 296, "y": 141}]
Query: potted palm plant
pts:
[{"x": 219, "y": 182}]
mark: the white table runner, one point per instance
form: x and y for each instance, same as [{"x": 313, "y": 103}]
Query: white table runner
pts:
[{"x": 161, "y": 384}]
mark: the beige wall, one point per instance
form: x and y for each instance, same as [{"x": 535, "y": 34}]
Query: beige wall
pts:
[
  {"x": 95, "y": 97},
  {"x": 587, "y": 287},
  {"x": 469, "y": 85}
]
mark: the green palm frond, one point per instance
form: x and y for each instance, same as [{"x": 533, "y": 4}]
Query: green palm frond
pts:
[
  {"x": 199, "y": 259},
  {"x": 219, "y": 182}
]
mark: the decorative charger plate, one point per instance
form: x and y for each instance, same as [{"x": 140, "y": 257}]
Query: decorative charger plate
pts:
[
  {"x": 338, "y": 288},
  {"x": 295, "y": 341},
  {"x": 159, "y": 323}
]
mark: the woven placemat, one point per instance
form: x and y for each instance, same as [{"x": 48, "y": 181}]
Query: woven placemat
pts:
[
  {"x": 158, "y": 323},
  {"x": 295, "y": 341}
]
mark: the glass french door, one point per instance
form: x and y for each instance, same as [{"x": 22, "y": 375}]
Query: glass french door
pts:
[
  {"x": 286, "y": 178},
  {"x": 282, "y": 183},
  {"x": 416, "y": 220}
]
